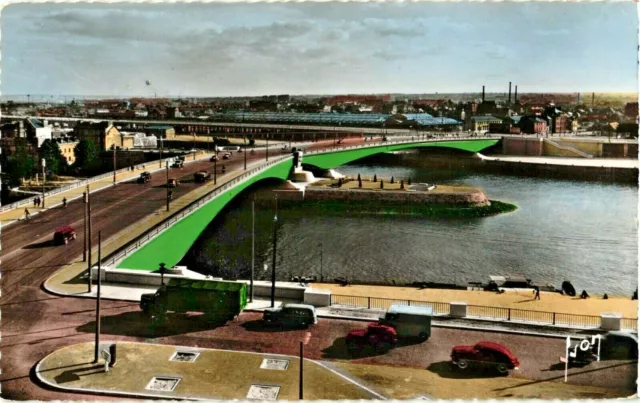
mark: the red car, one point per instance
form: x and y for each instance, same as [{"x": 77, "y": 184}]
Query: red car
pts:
[
  {"x": 379, "y": 337},
  {"x": 63, "y": 235},
  {"x": 485, "y": 353}
]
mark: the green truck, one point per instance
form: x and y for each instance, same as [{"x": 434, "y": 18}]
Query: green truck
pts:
[{"x": 220, "y": 301}]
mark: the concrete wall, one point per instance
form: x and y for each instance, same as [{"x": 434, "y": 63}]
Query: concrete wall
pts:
[
  {"x": 476, "y": 197},
  {"x": 591, "y": 147},
  {"x": 550, "y": 150},
  {"x": 522, "y": 146}
]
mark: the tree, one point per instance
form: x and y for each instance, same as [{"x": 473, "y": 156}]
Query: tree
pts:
[
  {"x": 86, "y": 152},
  {"x": 375, "y": 178},
  {"x": 381, "y": 184},
  {"x": 21, "y": 164},
  {"x": 401, "y": 184},
  {"x": 50, "y": 151}
]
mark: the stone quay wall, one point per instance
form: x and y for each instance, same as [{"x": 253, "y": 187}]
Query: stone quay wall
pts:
[{"x": 473, "y": 198}]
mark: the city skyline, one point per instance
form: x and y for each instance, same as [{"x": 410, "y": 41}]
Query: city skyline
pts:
[{"x": 313, "y": 49}]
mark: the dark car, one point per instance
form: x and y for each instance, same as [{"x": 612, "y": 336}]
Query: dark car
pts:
[
  {"x": 63, "y": 235},
  {"x": 291, "y": 315},
  {"x": 226, "y": 156},
  {"x": 178, "y": 164},
  {"x": 619, "y": 345},
  {"x": 202, "y": 176},
  {"x": 380, "y": 338},
  {"x": 213, "y": 158},
  {"x": 485, "y": 353},
  {"x": 144, "y": 177},
  {"x": 172, "y": 183}
]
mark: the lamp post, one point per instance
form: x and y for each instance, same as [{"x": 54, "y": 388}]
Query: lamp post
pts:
[
  {"x": 267, "y": 136},
  {"x": 161, "y": 146},
  {"x": 273, "y": 266},
  {"x": 44, "y": 164},
  {"x": 162, "y": 269},
  {"x": 89, "y": 236},
  {"x": 84, "y": 239},
  {"x": 245, "y": 154},
  {"x": 114, "y": 165},
  {"x": 167, "y": 164},
  {"x": 253, "y": 245},
  {"x": 321, "y": 277},
  {"x": 97, "y": 343}
]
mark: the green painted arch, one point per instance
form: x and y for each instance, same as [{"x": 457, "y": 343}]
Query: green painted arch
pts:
[
  {"x": 331, "y": 160},
  {"x": 173, "y": 244}
]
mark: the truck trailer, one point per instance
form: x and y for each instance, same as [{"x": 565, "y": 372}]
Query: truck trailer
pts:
[{"x": 220, "y": 301}]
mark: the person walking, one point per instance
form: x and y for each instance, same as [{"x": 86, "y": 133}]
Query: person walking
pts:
[
  {"x": 35, "y": 202},
  {"x": 536, "y": 291},
  {"x": 38, "y": 201},
  {"x": 64, "y": 202},
  {"x": 26, "y": 214}
]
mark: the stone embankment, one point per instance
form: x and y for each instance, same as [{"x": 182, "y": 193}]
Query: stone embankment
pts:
[{"x": 473, "y": 197}]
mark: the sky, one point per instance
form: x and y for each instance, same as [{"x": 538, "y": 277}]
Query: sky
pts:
[{"x": 226, "y": 49}]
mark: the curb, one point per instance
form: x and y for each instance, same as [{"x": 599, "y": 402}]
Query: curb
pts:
[{"x": 164, "y": 397}]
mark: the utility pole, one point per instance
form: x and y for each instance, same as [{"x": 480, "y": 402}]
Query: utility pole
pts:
[
  {"x": 44, "y": 164},
  {"x": 253, "y": 244},
  {"x": 167, "y": 185},
  {"x": 89, "y": 237},
  {"x": 215, "y": 167},
  {"x": 273, "y": 266},
  {"x": 161, "y": 144},
  {"x": 84, "y": 239},
  {"x": 114, "y": 165},
  {"x": 267, "y": 136},
  {"x": 321, "y": 278},
  {"x": 97, "y": 346},
  {"x": 245, "y": 156},
  {"x": 301, "y": 371}
]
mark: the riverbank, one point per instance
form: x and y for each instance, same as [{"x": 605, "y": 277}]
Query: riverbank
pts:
[{"x": 515, "y": 299}]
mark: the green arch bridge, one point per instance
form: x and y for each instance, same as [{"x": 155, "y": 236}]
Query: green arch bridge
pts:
[{"x": 172, "y": 245}]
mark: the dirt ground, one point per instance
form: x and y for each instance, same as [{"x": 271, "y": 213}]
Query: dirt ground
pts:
[
  {"x": 214, "y": 375},
  {"x": 521, "y": 299},
  {"x": 368, "y": 184},
  {"x": 407, "y": 383}
]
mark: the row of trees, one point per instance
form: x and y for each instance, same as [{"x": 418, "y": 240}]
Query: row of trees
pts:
[{"x": 24, "y": 163}]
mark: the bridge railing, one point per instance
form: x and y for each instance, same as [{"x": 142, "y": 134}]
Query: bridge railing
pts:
[
  {"x": 414, "y": 139},
  {"x": 85, "y": 182},
  {"x": 485, "y": 312},
  {"x": 161, "y": 227}
]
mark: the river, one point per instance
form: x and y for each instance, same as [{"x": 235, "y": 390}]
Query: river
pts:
[{"x": 584, "y": 232}]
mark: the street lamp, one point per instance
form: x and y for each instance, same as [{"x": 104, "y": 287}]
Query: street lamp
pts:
[
  {"x": 321, "y": 277},
  {"x": 167, "y": 164},
  {"x": 162, "y": 269},
  {"x": 273, "y": 266},
  {"x": 161, "y": 146},
  {"x": 44, "y": 164}
]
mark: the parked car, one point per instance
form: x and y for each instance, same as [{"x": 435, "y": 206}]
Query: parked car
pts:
[
  {"x": 485, "y": 353},
  {"x": 379, "y": 337},
  {"x": 213, "y": 158},
  {"x": 409, "y": 321},
  {"x": 226, "y": 156},
  {"x": 619, "y": 345},
  {"x": 63, "y": 235},
  {"x": 582, "y": 357},
  {"x": 291, "y": 315},
  {"x": 172, "y": 183},
  {"x": 177, "y": 164},
  {"x": 202, "y": 176},
  {"x": 144, "y": 177}
]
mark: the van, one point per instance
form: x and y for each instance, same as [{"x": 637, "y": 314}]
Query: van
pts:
[
  {"x": 409, "y": 321},
  {"x": 63, "y": 235},
  {"x": 294, "y": 315}
]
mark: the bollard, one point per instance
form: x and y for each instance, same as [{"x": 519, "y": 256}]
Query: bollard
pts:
[{"x": 112, "y": 351}]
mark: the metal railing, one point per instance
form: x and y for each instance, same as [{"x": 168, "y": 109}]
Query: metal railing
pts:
[
  {"x": 416, "y": 139},
  {"x": 91, "y": 180},
  {"x": 159, "y": 228},
  {"x": 486, "y": 312}
]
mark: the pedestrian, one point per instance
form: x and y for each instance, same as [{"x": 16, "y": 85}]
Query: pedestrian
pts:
[
  {"x": 26, "y": 214},
  {"x": 536, "y": 291},
  {"x": 605, "y": 296},
  {"x": 170, "y": 194},
  {"x": 584, "y": 294},
  {"x": 38, "y": 201},
  {"x": 64, "y": 202},
  {"x": 35, "y": 201}
]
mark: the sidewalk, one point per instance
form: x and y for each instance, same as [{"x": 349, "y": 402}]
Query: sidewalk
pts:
[
  {"x": 8, "y": 217},
  {"x": 215, "y": 374},
  {"x": 70, "y": 280}
]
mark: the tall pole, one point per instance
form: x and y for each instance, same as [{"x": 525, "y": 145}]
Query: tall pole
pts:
[
  {"x": 267, "y": 136},
  {"x": 89, "y": 237},
  {"x": 161, "y": 145},
  {"x": 96, "y": 352},
  {"x": 253, "y": 244},
  {"x": 194, "y": 146},
  {"x": 114, "y": 165},
  {"x": 84, "y": 239},
  {"x": 44, "y": 163},
  {"x": 321, "y": 278},
  {"x": 167, "y": 185},
  {"x": 245, "y": 156},
  {"x": 301, "y": 372},
  {"x": 273, "y": 265}
]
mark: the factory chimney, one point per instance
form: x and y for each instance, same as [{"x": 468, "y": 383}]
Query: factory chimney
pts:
[
  {"x": 515, "y": 96},
  {"x": 483, "y": 93},
  {"x": 509, "y": 92}
]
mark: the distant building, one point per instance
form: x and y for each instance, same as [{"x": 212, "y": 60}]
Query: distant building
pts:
[
  {"x": 631, "y": 111},
  {"x": 161, "y": 131},
  {"x": 37, "y": 132},
  {"x": 104, "y": 134},
  {"x": 556, "y": 120},
  {"x": 481, "y": 123},
  {"x": 532, "y": 125},
  {"x": 67, "y": 149}
]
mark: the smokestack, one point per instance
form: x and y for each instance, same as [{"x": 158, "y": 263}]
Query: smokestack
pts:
[
  {"x": 509, "y": 91},
  {"x": 515, "y": 96},
  {"x": 483, "y": 93}
]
